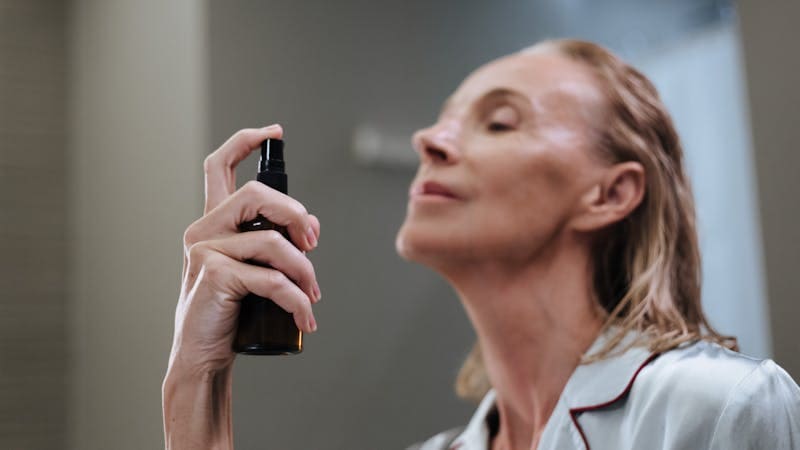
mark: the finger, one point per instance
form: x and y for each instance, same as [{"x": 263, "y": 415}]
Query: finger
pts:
[
  {"x": 274, "y": 285},
  {"x": 315, "y": 225},
  {"x": 269, "y": 247},
  {"x": 246, "y": 204},
  {"x": 220, "y": 166}
]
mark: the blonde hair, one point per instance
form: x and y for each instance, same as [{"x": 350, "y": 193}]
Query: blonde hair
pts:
[{"x": 646, "y": 267}]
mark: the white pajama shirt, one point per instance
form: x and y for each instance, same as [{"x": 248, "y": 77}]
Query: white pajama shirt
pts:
[{"x": 697, "y": 396}]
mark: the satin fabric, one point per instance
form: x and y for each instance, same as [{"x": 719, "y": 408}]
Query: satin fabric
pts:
[{"x": 697, "y": 396}]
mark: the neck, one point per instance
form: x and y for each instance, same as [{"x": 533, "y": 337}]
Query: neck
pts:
[{"x": 534, "y": 321}]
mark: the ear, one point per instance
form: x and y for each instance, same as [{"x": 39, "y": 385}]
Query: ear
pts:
[{"x": 612, "y": 199}]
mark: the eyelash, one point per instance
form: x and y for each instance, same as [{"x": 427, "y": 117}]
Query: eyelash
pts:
[{"x": 497, "y": 127}]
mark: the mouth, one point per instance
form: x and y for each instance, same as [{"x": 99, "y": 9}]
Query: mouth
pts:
[{"x": 431, "y": 190}]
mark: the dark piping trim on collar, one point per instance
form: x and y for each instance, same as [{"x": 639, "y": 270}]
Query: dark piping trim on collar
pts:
[{"x": 575, "y": 412}]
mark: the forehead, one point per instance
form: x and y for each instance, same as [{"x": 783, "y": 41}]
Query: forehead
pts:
[{"x": 541, "y": 77}]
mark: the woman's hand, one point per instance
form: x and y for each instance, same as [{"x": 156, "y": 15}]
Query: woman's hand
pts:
[{"x": 215, "y": 278}]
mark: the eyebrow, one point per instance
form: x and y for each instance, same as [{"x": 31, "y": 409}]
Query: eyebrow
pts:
[{"x": 494, "y": 93}]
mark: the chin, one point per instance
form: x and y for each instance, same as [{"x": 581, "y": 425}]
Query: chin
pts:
[
  {"x": 429, "y": 247},
  {"x": 403, "y": 245}
]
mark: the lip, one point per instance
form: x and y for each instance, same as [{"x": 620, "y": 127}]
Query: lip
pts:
[{"x": 431, "y": 190}]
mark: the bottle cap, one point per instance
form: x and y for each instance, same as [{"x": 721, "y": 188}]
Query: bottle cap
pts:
[{"x": 271, "y": 156}]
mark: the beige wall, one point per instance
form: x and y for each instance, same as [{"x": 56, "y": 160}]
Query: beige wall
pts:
[
  {"x": 33, "y": 352},
  {"x": 770, "y": 35},
  {"x": 137, "y": 122}
]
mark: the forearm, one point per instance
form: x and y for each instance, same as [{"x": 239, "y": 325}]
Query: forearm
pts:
[{"x": 197, "y": 410}]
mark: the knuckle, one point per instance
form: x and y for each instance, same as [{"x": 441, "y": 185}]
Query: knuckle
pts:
[
  {"x": 253, "y": 188},
  {"x": 308, "y": 269},
  {"x": 299, "y": 305},
  {"x": 298, "y": 210},
  {"x": 273, "y": 237},
  {"x": 198, "y": 252},
  {"x": 304, "y": 306},
  {"x": 275, "y": 279},
  {"x": 209, "y": 162},
  {"x": 190, "y": 235},
  {"x": 240, "y": 134},
  {"x": 215, "y": 268}
]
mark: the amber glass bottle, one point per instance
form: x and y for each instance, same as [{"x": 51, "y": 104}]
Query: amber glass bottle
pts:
[{"x": 264, "y": 328}]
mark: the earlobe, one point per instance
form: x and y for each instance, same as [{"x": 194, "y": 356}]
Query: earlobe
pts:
[{"x": 614, "y": 198}]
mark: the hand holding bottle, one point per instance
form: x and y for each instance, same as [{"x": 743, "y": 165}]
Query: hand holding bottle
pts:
[{"x": 216, "y": 277}]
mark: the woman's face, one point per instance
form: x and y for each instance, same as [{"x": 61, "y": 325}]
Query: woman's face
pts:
[{"x": 502, "y": 170}]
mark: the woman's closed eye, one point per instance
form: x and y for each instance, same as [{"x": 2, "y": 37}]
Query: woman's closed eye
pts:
[
  {"x": 504, "y": 118},
  {"x": 497, "y": 127}
]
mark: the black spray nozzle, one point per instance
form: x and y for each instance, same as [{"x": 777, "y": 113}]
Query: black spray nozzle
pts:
[{"x": 271, "y": 156}]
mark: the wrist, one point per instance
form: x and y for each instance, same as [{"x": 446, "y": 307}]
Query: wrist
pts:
[
  {"x": 186, "y": 369},
  {"x": 197, "y": 407}
]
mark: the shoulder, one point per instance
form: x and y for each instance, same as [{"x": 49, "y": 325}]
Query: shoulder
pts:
[
  {"x": 701, "y": 370},
  {"x": 761, "y": 411},
  {"x": 707, "y": 390}
]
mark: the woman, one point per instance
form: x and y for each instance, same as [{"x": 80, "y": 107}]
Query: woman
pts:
[{"x": 551, "y": 194}]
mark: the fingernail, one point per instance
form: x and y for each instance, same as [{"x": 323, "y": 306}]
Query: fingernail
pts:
[
  {"x": 269, "y": 127},
  {"x": 312, "y": 324},
  {"x": 311, "y": 237},
  {"x": 317, "y": 293}
]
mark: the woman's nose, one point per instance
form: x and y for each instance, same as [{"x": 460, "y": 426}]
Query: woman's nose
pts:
[{"x": 437, "y": 144}]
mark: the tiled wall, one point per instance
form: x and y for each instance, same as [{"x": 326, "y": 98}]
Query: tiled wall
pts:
[{"x": 32, "y": 224}]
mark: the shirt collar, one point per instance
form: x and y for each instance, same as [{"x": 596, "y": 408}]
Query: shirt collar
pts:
[
  {"x": 606, "y": 381},
  {"x": 477, "y": 431},
  {"x": 594, "y": 385}
]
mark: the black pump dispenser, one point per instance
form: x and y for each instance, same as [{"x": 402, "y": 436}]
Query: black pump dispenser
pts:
[
  {"x": 271, "y": 167},
  {"x": 265, "y": 328}
]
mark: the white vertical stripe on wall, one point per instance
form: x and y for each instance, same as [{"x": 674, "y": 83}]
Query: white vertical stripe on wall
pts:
[
  {"x": 138, "y": 137},
  {"x": 702, "y": 83}
]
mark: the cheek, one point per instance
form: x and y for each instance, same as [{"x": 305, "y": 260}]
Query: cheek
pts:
[{"x": 527, "y": 202}]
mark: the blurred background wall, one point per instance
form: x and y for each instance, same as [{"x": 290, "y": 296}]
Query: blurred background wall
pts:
[
  {"x": 144, "y": 90},
  {"x": 768, "y": 33},
  {"x": 33, "y": 219},
  {"x": 138, "y": 126}
]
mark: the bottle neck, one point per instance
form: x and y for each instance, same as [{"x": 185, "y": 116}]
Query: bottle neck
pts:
[{"x": 275, "y": 179}]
